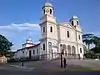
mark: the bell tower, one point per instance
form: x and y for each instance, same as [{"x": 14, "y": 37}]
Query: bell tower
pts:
[
  {"x": 47, "y": 9},
  {"x": 74, "y": 21},
  {"x": 48, "y": 21},
  {"x": 48, "y": 13},
  {"x": 49, "y": 35}
]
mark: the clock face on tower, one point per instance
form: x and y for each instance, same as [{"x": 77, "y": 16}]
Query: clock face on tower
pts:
[{"x": 47, "y": 10}]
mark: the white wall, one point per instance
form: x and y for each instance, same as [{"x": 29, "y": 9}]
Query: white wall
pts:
[
  {"x": 25, "y": 52},
  {"x": 41, "y": 47},
  {"x": 53, "y": 34},
  {"x": 63, "y": 33},
  {"x": 73, "y": 39}
]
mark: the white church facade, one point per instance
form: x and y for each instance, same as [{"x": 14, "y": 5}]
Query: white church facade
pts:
[{"x": 55, "y": 38}]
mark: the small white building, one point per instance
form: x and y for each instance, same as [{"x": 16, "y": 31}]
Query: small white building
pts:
[
  {"x": 55, "y": 37},
  {"x": 28, "y": 50}
]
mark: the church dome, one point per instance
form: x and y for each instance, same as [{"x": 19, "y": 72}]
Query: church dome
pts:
[
  {"x": 29, "y": 40},
  {"x": 74, "y": 17},
  {"x": 47, "y": 4}
]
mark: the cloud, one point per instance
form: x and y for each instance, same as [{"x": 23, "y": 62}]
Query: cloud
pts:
[
  {"x": 97, "y": 33},
  {"x": 13, "y": 29},
  {"x": 18, "y": 33},
  {"x": 20, "y": 27}
]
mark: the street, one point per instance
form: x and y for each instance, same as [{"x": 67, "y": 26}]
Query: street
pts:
[{"x": 7, "y": 69}]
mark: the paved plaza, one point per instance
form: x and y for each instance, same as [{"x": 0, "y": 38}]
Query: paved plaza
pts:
[
  {"x": 51, "y": 68},
  {"x": 8, "y": 70},
  {"x": 54, "y": 65}
]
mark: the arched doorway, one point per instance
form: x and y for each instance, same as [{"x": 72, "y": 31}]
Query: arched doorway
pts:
[
  {"x": 64, "y": 48},
  {"x": 50, "y": 50},
  {"x": 73, "y": 51},
  {"x": 69, "y": 49}
]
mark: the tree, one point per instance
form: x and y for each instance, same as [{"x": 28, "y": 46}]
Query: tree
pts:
[
  {"x": 5, "y": 45},
  {"x": 96, "y": 49},
  {"x": 91, "y": 39},
  {"x": 89, "y": 54},
  {"x": 85, "y": 49},
  {"x": 88, "y": 39},
  {"x": 96, "y": 41}
]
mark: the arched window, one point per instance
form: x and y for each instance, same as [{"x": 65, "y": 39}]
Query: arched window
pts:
[
  {"x": 79, "y": 37},
  {"x": 77, "y": 23},
  {"x": 68, "y": 34},
  {"x": 44, "y": 11},
  {"x": 43, "y": 46},
  {"x": 72, "y": 23},
  {"x": 60, "y": 45},
  {"x": 51, "y": 30},
  {"x": 50, "y": 11},
  {"x": 80, "y": 50},
  {"x": 64, "y": 46},
  {"x": 73, "y": 50},
  {"x": 43, "y": 29}
]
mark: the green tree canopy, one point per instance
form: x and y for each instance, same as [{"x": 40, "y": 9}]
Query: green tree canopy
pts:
[
  {"x": 96, "y": 49},
  {"x": 88, "y": 39},
  {"x": 96, "y": 41},
  {"x": 5, "y": 45}
]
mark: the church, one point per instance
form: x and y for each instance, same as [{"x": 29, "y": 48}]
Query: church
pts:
[{"x": 55, "y": 38}]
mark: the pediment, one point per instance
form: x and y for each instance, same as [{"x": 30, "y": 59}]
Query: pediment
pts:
[{"x": 69, "y": 26}]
